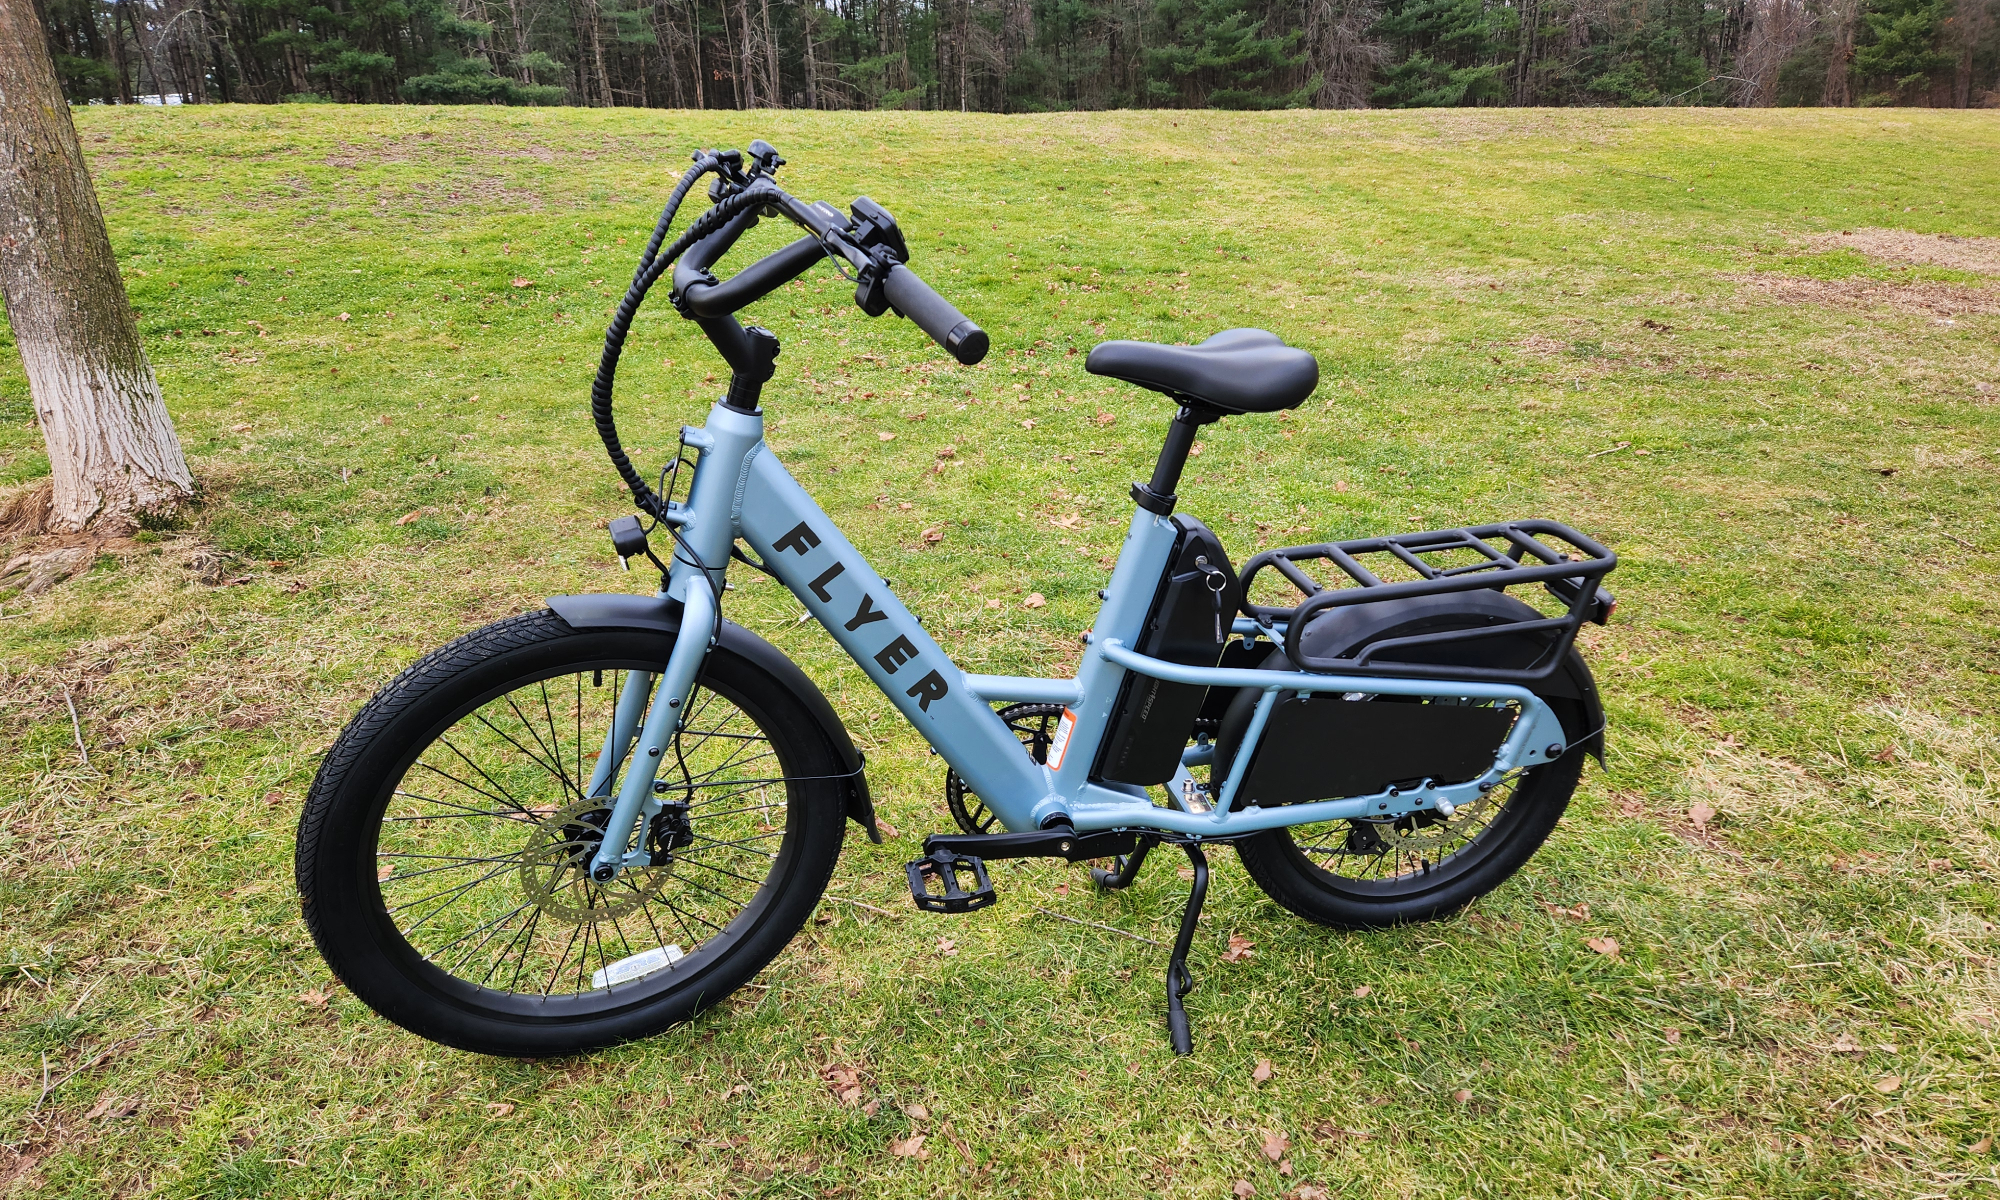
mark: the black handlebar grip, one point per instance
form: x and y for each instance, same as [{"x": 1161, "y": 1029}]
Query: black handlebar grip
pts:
[{"x": 934, "y": 315}]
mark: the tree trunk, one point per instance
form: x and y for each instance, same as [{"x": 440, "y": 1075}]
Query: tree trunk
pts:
[
  {"x": 774, "y": 89},
  {"x": 112, "y": 448}
]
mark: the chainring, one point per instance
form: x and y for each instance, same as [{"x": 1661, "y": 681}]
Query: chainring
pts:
[{"x": 1034, "y": 723}]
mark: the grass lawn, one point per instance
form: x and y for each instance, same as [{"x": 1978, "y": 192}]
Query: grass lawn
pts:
[{"x": 1726, "y": 343}]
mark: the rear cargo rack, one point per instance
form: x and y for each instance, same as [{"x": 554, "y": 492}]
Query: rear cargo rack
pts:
[{"x": 1507, "y": 554}]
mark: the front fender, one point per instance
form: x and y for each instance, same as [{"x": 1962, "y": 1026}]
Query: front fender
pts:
[{"x": 624, "y": 611}]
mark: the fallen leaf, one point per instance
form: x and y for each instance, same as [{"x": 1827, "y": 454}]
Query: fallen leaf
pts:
[
  {"x": 844, "y": 1082},
  {"x": 1194, "y": 451},
  {"x": 1845, "y": 1044},
  {"x": 1243, "y": 1189},
  {"x": 1363, "y": 992},
  {"x": 1982, "y": 1145},
  {"x": 384, "y": 873},
  {"x": 313, "y": 999},
  {"x": 498, "y": 1109},
  {"x": 947, "y": 947},
  {"x": 1276, "y": 1142},
  {"x": 1580, "y": 913},
  {"x": 1607, "y": 946},
  {"x": 1035, "y": 600},
  {"x": 1069, "y": 522},
  {"x": 111, "y": 1108},
  {"x": 345, "y": 317},
  {"x": 916, "y": 1112},
  {"x": 1889, "y": 1084},
  {"x": 948, "y": 452},
  {"x": 909, "y": 1147},
  {"x": 1105, "y": 418},
  {"x": 889, "y": 832},
  {"x": 1462, "y": 1095},
  {"x": 993, "y": 604},
  {"x": 871, "y": 1108},
  {"x": 1307, "y": 1191},
  {"x": 1885, "y": 754},
  {"x": 523, "y": 281},
  {"x": 1240, "y": 948},
  {"x": 410, "y": 516},
  {"x": 239, "y": 429},
  {"x": 1700, "y": 814},
  {"x": 1028, "y": 424},
  {"x": 1340, "y": 485},
  {"x": 916, "y": 416},
  {"x": 885, "y": 437},
  {"x": 1673, "y": 1035},
  {"x": 1285, "y": 1168},
  {"x": 1263, "y": 1071},
  {"x": 933, "y": 535},
  {"x": 740, "y": 1089}
]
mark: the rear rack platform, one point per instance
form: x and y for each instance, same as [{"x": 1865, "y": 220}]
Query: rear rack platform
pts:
[{"x": 1502, "y": 555}]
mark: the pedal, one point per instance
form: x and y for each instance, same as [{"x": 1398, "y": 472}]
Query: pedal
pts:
[{"x": 938, "y": 883}]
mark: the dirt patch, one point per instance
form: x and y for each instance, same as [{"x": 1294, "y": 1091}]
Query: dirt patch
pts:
[
  {"x": 1932, "y": 299},
  {"x": 1980, "y": 254}
]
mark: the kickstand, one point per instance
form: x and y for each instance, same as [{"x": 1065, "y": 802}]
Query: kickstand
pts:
[
  {"x": 1127, "y": 868},
  {"x": 1179, "y": 982}
]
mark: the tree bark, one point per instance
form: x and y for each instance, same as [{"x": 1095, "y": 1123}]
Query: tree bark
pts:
[{"x": 112, "y": 448}]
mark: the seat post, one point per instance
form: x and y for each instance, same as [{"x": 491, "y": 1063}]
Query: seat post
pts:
[{"x": 1158, "y": 496}]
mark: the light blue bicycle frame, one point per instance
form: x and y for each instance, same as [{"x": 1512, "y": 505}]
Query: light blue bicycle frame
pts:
[{"x": 741, "y": 490}]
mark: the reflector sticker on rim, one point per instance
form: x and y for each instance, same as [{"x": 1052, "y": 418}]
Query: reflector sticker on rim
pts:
[
  {"x": 1060, "y": 745},
  {"x": 640, "y": 965}
]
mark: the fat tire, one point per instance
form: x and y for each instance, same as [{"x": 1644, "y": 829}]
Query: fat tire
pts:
[{"x": 337, "y": 838}]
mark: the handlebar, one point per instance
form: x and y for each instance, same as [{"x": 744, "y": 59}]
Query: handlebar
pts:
[
  {"x": 866, "y": 238},
  {"x": 881, "y": 273},
  {"x": 934, "y": 315}
]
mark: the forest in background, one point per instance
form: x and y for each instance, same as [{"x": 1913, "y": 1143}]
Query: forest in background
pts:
[{"x": 1031, "y": 55}]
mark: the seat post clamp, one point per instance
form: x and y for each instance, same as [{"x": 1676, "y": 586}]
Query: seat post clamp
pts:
[{"x": 1153, "y": 502}]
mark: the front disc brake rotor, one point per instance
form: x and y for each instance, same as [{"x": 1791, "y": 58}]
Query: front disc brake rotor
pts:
[{"x": 555, "y": 869}]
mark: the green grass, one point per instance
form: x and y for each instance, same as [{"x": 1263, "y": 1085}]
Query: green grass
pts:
[{"x": 1807, "y": 506}]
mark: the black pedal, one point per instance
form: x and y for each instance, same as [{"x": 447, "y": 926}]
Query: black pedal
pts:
[{"x": 949, "y": 873}]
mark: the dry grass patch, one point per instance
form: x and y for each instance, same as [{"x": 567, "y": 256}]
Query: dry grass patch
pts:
[
  {"x": 1947, "y": 250},
  {"x": 1920, "y": 297}
]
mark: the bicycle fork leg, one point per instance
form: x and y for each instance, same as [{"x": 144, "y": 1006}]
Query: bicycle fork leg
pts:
[
  {"x": 1179, "y": 982},
  {"x": 635, "y": 798}
]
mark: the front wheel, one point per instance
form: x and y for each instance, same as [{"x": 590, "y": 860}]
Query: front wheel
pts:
[{"x": 444, "y": 851}]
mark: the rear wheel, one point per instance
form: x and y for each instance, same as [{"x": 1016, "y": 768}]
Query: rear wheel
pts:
[
  {"x": 443, "y": 855},
  {"x": 1368, "y": 874},
  {"x": 1362, "y": 874}
]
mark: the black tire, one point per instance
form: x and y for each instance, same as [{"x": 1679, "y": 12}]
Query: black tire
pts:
[
  {"x": 1420, "y": 867},
  {"x": 533, "y": 820}
]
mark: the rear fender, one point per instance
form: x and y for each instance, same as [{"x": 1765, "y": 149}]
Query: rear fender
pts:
[{"x": 625, "y": 611}]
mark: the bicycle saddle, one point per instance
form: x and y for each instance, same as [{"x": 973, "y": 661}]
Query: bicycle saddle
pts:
[{"x": 1236, "y": 371}]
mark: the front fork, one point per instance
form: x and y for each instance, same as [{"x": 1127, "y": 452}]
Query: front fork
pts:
[{"x": 662, "y": 721}]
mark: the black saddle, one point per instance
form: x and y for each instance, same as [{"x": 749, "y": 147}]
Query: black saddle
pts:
[{"x": 1236, "y": 371}]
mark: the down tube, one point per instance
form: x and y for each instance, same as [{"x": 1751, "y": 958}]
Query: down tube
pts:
[{"x": 801, "y": 545}]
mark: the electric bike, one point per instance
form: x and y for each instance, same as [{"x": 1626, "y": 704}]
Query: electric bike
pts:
[{"x": 583, "y": 824}]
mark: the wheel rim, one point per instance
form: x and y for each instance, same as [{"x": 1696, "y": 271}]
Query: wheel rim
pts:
[
  {"x": 483, "y": 846},
  {"x": 1034, "y": 724}
]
